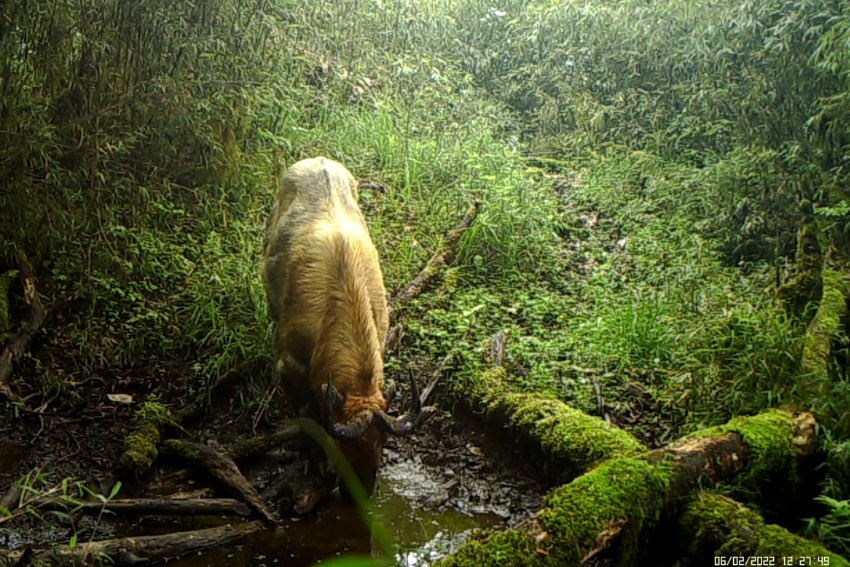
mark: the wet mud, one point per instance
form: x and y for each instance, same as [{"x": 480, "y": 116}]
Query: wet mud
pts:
[{"x": 434, "y": 488}]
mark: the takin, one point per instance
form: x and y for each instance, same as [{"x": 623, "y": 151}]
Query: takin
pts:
[{"x": 326, "y": 295}]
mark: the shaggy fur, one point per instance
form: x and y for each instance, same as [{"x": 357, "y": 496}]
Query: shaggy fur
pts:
[{"x": 327, "y": 297}]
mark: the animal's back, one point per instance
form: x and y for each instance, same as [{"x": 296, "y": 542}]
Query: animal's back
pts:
[
  {"x": 321, "y": 270},
  {"x": 311, "y": 193}
]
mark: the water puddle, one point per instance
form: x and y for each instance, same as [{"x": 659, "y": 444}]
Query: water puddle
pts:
[{"x": 402, "y": 503}]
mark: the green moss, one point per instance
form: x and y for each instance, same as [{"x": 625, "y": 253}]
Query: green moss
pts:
[
  {"x": 155, "y": 412},
  {"x": 566, "y": 435},
  {"x": 574, "y": 515},
  {"x": 768, "y": 436},
  {"x": 827, "y": 321},
  {"x": 489, "y": 385},
  {"x": 495, "y": 549},
  {"x": 718, "y": 526},
  {"x": 140, "y": 447},
  {"x": 777, "y": 541},
  {"x": 629, "y": 490},
  {"x": 803, "y": 292}
]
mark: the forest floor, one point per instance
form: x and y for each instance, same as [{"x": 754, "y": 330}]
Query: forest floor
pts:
[{"x": 451, "y": 468}]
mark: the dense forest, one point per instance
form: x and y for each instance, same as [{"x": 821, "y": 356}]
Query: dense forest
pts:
[{"x": 657, "y": 252}]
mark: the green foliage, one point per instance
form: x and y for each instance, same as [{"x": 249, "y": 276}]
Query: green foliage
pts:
[
  {"x": 39, "y": 497},
  {"x": 833, "y": 529},
  {"x": 640, "y": 167}
]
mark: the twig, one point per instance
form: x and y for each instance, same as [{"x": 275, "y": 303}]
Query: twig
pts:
[
  {"x": 443, "y": 257},
  {"x": 498, "y": 342},
  {"x": 600, "y": 402},
  {"x": 435, "y": 377},
  {"x": 392, "y": 337}
]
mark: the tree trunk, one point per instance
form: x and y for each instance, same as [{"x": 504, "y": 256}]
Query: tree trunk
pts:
[{"x": 37, "y": 316}]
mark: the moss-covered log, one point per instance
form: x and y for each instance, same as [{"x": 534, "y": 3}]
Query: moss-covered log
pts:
[
  {"x": 152, "y": 421},
  {"x": 616, "y": 506},
  {"x": 140, "y": 446},
  {"x": 825, "y": 325},
  {"x": 718, "y": 526},
  {"x": 570, "y": 440}
]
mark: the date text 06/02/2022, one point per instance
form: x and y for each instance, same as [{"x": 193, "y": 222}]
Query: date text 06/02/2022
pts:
[{"x": 771, "y": 561}]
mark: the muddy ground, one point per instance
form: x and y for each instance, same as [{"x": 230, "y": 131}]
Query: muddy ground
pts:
[{"x": 450, "y": 476}]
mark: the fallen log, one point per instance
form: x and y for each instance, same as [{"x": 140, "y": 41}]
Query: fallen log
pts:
[
  {"x": 570, "y": 441},
  {"x": 717, "y": 526},
  {"x": 141, "y": 444},
  {"x": 131, "y": 551},
  {"x": 164, "y": 507},
  {"x": 223, "y": 469},
  {"x": 37, "y": 314},
  {"x": 444, "y": 256},
  {"x": 619, "y": 503}
]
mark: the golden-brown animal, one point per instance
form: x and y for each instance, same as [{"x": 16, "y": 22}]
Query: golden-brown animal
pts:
[{"x": 326, "y": 295}]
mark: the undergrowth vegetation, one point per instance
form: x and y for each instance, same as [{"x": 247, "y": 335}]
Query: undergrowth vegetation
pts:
[{"x": 645, "y": 170}]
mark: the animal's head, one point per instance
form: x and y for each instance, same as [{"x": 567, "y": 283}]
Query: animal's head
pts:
[{"x": 360, "y": 425}]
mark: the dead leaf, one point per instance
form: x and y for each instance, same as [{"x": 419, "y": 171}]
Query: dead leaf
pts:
[{"x": 120, "y": 398}]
